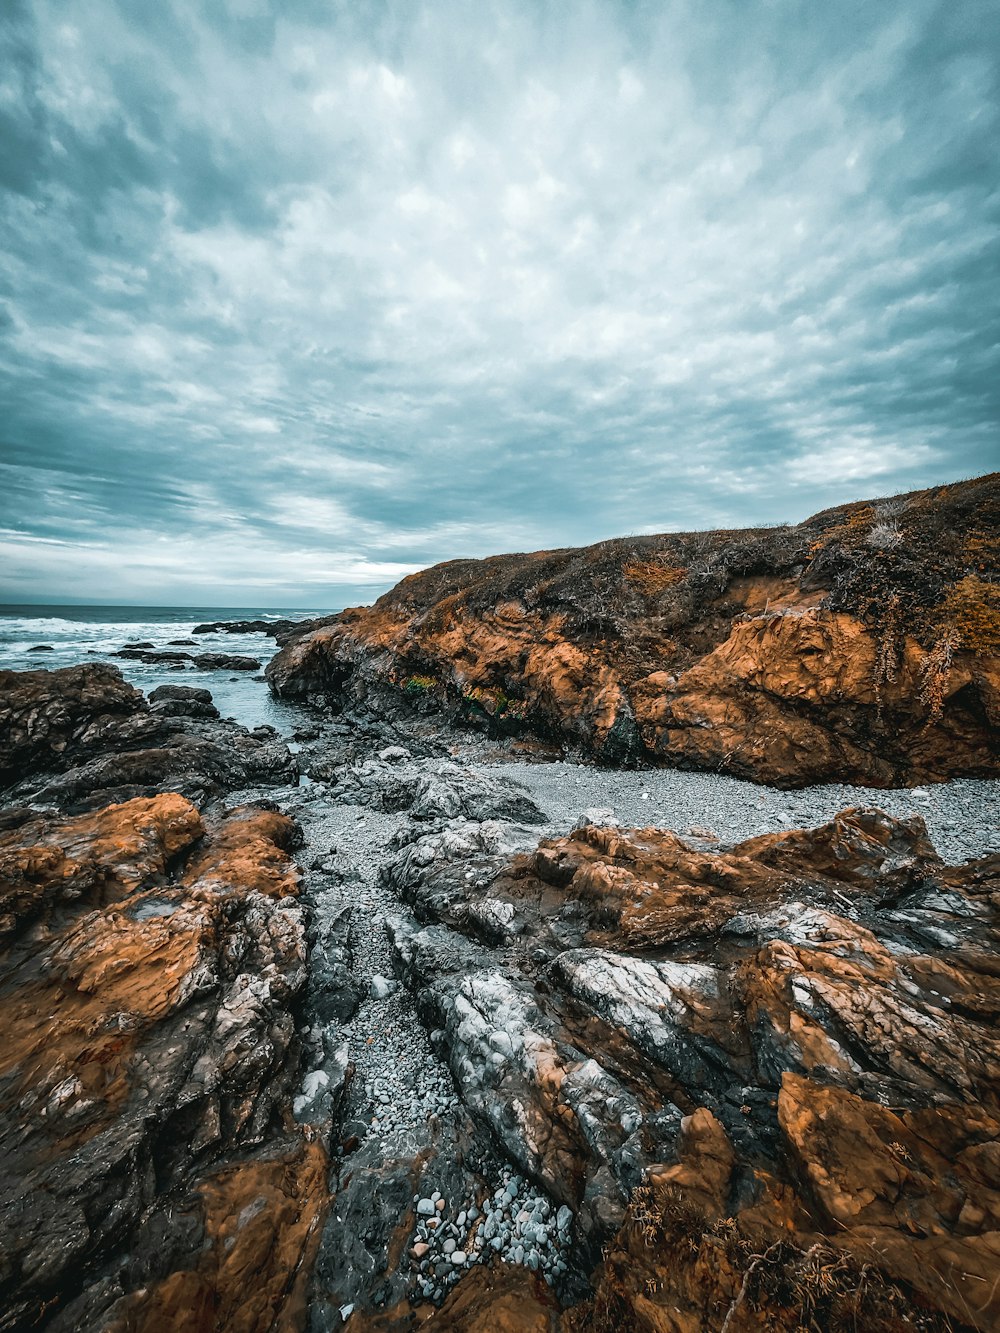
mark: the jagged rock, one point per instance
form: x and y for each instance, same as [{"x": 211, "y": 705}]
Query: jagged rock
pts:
[
  {"x": 82, "y": 736},
  {"x": 789, "y": 1044},
  {"x": 791, "y": 655},
  {"x": 150, "y": 967},
  {"x": 433, "y": 791}
]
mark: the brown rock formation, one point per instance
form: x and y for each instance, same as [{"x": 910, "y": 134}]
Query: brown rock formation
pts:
[
  {"x": 766, "y": 1080},
  {"x": 153, "y": 1176},
  {"x": 861, "y": 645}
]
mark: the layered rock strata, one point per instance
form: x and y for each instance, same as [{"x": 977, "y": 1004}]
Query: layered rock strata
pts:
[{"x": 861, "y": 645}]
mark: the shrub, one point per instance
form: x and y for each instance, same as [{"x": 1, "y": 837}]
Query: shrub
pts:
[
  {"x": 418, "y": 684},
  {"x": 972, "y": 608}
]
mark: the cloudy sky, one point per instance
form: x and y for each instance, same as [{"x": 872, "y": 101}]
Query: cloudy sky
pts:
[{"x": 299, "y": 295}]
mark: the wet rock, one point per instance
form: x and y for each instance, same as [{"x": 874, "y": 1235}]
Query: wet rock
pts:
[
  {"x": 182, "y": 701},
  {"x": 224, "y": 662},
  {"x": 81, "y": 736}
]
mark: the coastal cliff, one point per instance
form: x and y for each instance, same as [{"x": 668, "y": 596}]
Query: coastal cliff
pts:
[{"x": 861, "y": 645}]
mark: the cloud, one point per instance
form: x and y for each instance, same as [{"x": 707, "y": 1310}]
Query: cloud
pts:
[{"x": 299, "y": 296}]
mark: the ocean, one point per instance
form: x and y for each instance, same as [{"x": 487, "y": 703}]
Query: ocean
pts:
[{"x": 88, "y": 633}]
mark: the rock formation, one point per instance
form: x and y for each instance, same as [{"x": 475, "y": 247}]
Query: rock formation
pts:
[
  {"x": 765, "y": 1080},
  {"x": 861, "y": 645},
  {"x": 83, "y": 736},
  {"x": 153, "y": 1175}
]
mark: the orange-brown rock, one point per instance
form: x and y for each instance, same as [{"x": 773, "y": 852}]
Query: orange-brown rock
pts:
[
  {"x": 151, "y": 1165},
  {"x": 861, "y": 645}
]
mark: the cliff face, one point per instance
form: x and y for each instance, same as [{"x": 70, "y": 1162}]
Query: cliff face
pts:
[{"x": 861, "y": 645}]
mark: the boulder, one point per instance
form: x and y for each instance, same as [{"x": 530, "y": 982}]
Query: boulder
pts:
[{"x": 82, "y": 736}]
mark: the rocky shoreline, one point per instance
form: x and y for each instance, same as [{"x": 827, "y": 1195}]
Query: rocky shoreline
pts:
[
  {"x": 358, "y": 1030},
  {"x": 860, "y": 646}
]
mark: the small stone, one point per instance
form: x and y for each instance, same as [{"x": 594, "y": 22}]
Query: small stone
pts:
[
  {"x": 425, "y": 1208},
  {"x": 420, "y": 1249},
  {"x": 458, "y": 1258}
]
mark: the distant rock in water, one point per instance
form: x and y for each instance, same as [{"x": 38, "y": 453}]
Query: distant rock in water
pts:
[
  {"x": 272, "y": 627},
  {"x": 861, "y": 645},
  {"x": 224, "y": 662},
  {"x": 154, "y": 656},
  {"x": 82, "y": 735},
  {"x": 41, "y": 648}
]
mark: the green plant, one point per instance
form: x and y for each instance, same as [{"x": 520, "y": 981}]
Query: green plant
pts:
[{"x": 419, "y": 684}]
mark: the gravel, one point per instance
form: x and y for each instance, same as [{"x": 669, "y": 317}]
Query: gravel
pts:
[{"x": 962, "y": 817}]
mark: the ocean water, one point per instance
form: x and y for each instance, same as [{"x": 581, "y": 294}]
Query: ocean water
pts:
[{"x": 94, "y": 633}]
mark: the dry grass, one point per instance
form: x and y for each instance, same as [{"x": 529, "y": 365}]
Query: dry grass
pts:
[
  {"x": 651, "y": 577},
  {"x": 669, "y": 1252}
]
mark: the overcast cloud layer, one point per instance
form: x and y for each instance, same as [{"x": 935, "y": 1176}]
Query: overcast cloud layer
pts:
[{"x": 299, "y": 295}]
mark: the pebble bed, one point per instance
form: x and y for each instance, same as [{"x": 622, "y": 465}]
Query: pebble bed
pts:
[
  {"x": 517, "y": 1223},
  {"x": 962, "y": 817}
]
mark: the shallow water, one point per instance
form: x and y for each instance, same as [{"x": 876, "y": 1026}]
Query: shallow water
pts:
[{"x": 85, "y": 633}]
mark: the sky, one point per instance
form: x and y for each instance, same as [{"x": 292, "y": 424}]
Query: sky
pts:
[{"x": 297, "y": 296}]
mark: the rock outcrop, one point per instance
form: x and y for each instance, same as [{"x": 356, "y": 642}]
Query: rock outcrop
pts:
[
  {"x": 861, "y": 645},
  {"x": 154, "y": 1178},
  {"x": 765, "y": 1080},
  {"x": 82, "y": 736}
]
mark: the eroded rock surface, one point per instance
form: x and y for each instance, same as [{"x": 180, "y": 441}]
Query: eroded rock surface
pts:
[
  {"x": 787, "y": 1048},
  {"x": 153, "y": 1175},
  {"x": 83, "y": 736},
  {"x": 861, "y": 645}
]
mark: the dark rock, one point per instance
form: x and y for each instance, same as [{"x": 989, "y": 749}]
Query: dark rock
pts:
[
  {"x": 81, "y": 736},
  {"x": 272, "y": 627},
  {"x": 224, "y": 662},
  {"x": 153, "y": 656},
  {"x": 42, "y": 648}
]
